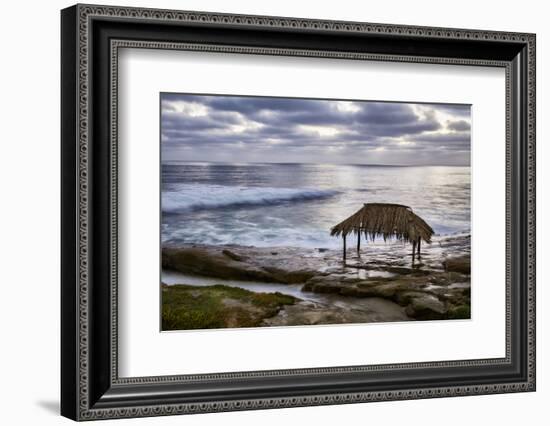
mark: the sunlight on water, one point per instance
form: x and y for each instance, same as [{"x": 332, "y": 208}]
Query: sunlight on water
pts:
[{"x": 297, "y": 204}]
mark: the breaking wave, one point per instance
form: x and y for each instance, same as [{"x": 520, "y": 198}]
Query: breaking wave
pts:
[{"x": 193, "y": 197}]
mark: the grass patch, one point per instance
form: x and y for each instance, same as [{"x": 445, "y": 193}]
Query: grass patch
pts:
[
  {"x": 459, "y": 312},
  {"x": 186, "y": 307}
]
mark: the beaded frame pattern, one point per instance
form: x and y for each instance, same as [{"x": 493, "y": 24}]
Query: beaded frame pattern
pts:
[{"x": 87, "y": 12}]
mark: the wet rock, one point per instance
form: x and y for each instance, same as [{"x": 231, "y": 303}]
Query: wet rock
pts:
[
  {"x": 195, "y": 260},
  {"x": 307, "y": 313},
  {"x": 357, "y": 291},
  {"x": 406, "y": 298},
  {"x": 335, "y": 288},
  {"x": 447, "y": 278},
  {"x": 422, "y": 299},
  {"x": 435, "y": 288},
  {"x": 230, "y": 264},
  {"x": 232, "y": 255},
  {"x": 289, "y": 276},
  {"x": 399, "y": 270},
  {"x": 426, "y": 307},
  {"x": 457, "y": 264}
]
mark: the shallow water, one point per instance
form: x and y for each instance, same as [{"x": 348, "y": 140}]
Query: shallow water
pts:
[
  {"x": 295, "y": 205},
  {"x": 171, "y": 278},
  {"x": 372, "y": 306}
]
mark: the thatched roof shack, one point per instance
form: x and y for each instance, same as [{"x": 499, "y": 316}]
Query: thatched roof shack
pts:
[{"x": 386, "y": 221}]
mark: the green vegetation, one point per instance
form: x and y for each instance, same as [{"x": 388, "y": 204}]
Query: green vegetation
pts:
[
  {"x": 459, "y": 312},
  {"x": 186, "y": 307}
]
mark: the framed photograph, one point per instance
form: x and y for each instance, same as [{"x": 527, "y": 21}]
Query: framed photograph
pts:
[{"x": 263, "y": 212}]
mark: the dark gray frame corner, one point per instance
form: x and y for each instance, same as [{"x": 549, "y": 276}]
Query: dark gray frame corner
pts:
[{"x": 91, "y": 38}]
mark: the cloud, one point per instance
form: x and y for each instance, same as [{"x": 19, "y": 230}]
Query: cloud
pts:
[
  {"x": 459, "y": 125},
  {"x": 266, "y": 129},
  {"x": 454, "y": 109}
]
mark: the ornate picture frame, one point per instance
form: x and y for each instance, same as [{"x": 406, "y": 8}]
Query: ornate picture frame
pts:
[{"x": 91, "y": 37}]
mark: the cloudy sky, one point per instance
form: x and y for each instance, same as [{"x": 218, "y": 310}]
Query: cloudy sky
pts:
[{"x": 286, "y": 130}]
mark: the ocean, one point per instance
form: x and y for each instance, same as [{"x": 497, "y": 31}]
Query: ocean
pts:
[{"x": 295, "y": 205}]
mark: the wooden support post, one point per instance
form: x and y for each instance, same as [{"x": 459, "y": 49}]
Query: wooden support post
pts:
[
  {"x": 358, "y": 241},
  {"x": 414, "y": 249},
  {"x": 419, "y": 240},
  {"x": 344, "y": 254}
]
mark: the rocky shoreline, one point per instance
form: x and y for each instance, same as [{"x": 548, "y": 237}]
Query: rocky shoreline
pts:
[{"x": 382, "y": 283}]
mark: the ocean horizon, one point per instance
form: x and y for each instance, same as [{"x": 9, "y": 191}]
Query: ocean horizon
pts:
[
  {"x": 296, "y": 204},
  {"x": 165, "y": 161}
]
